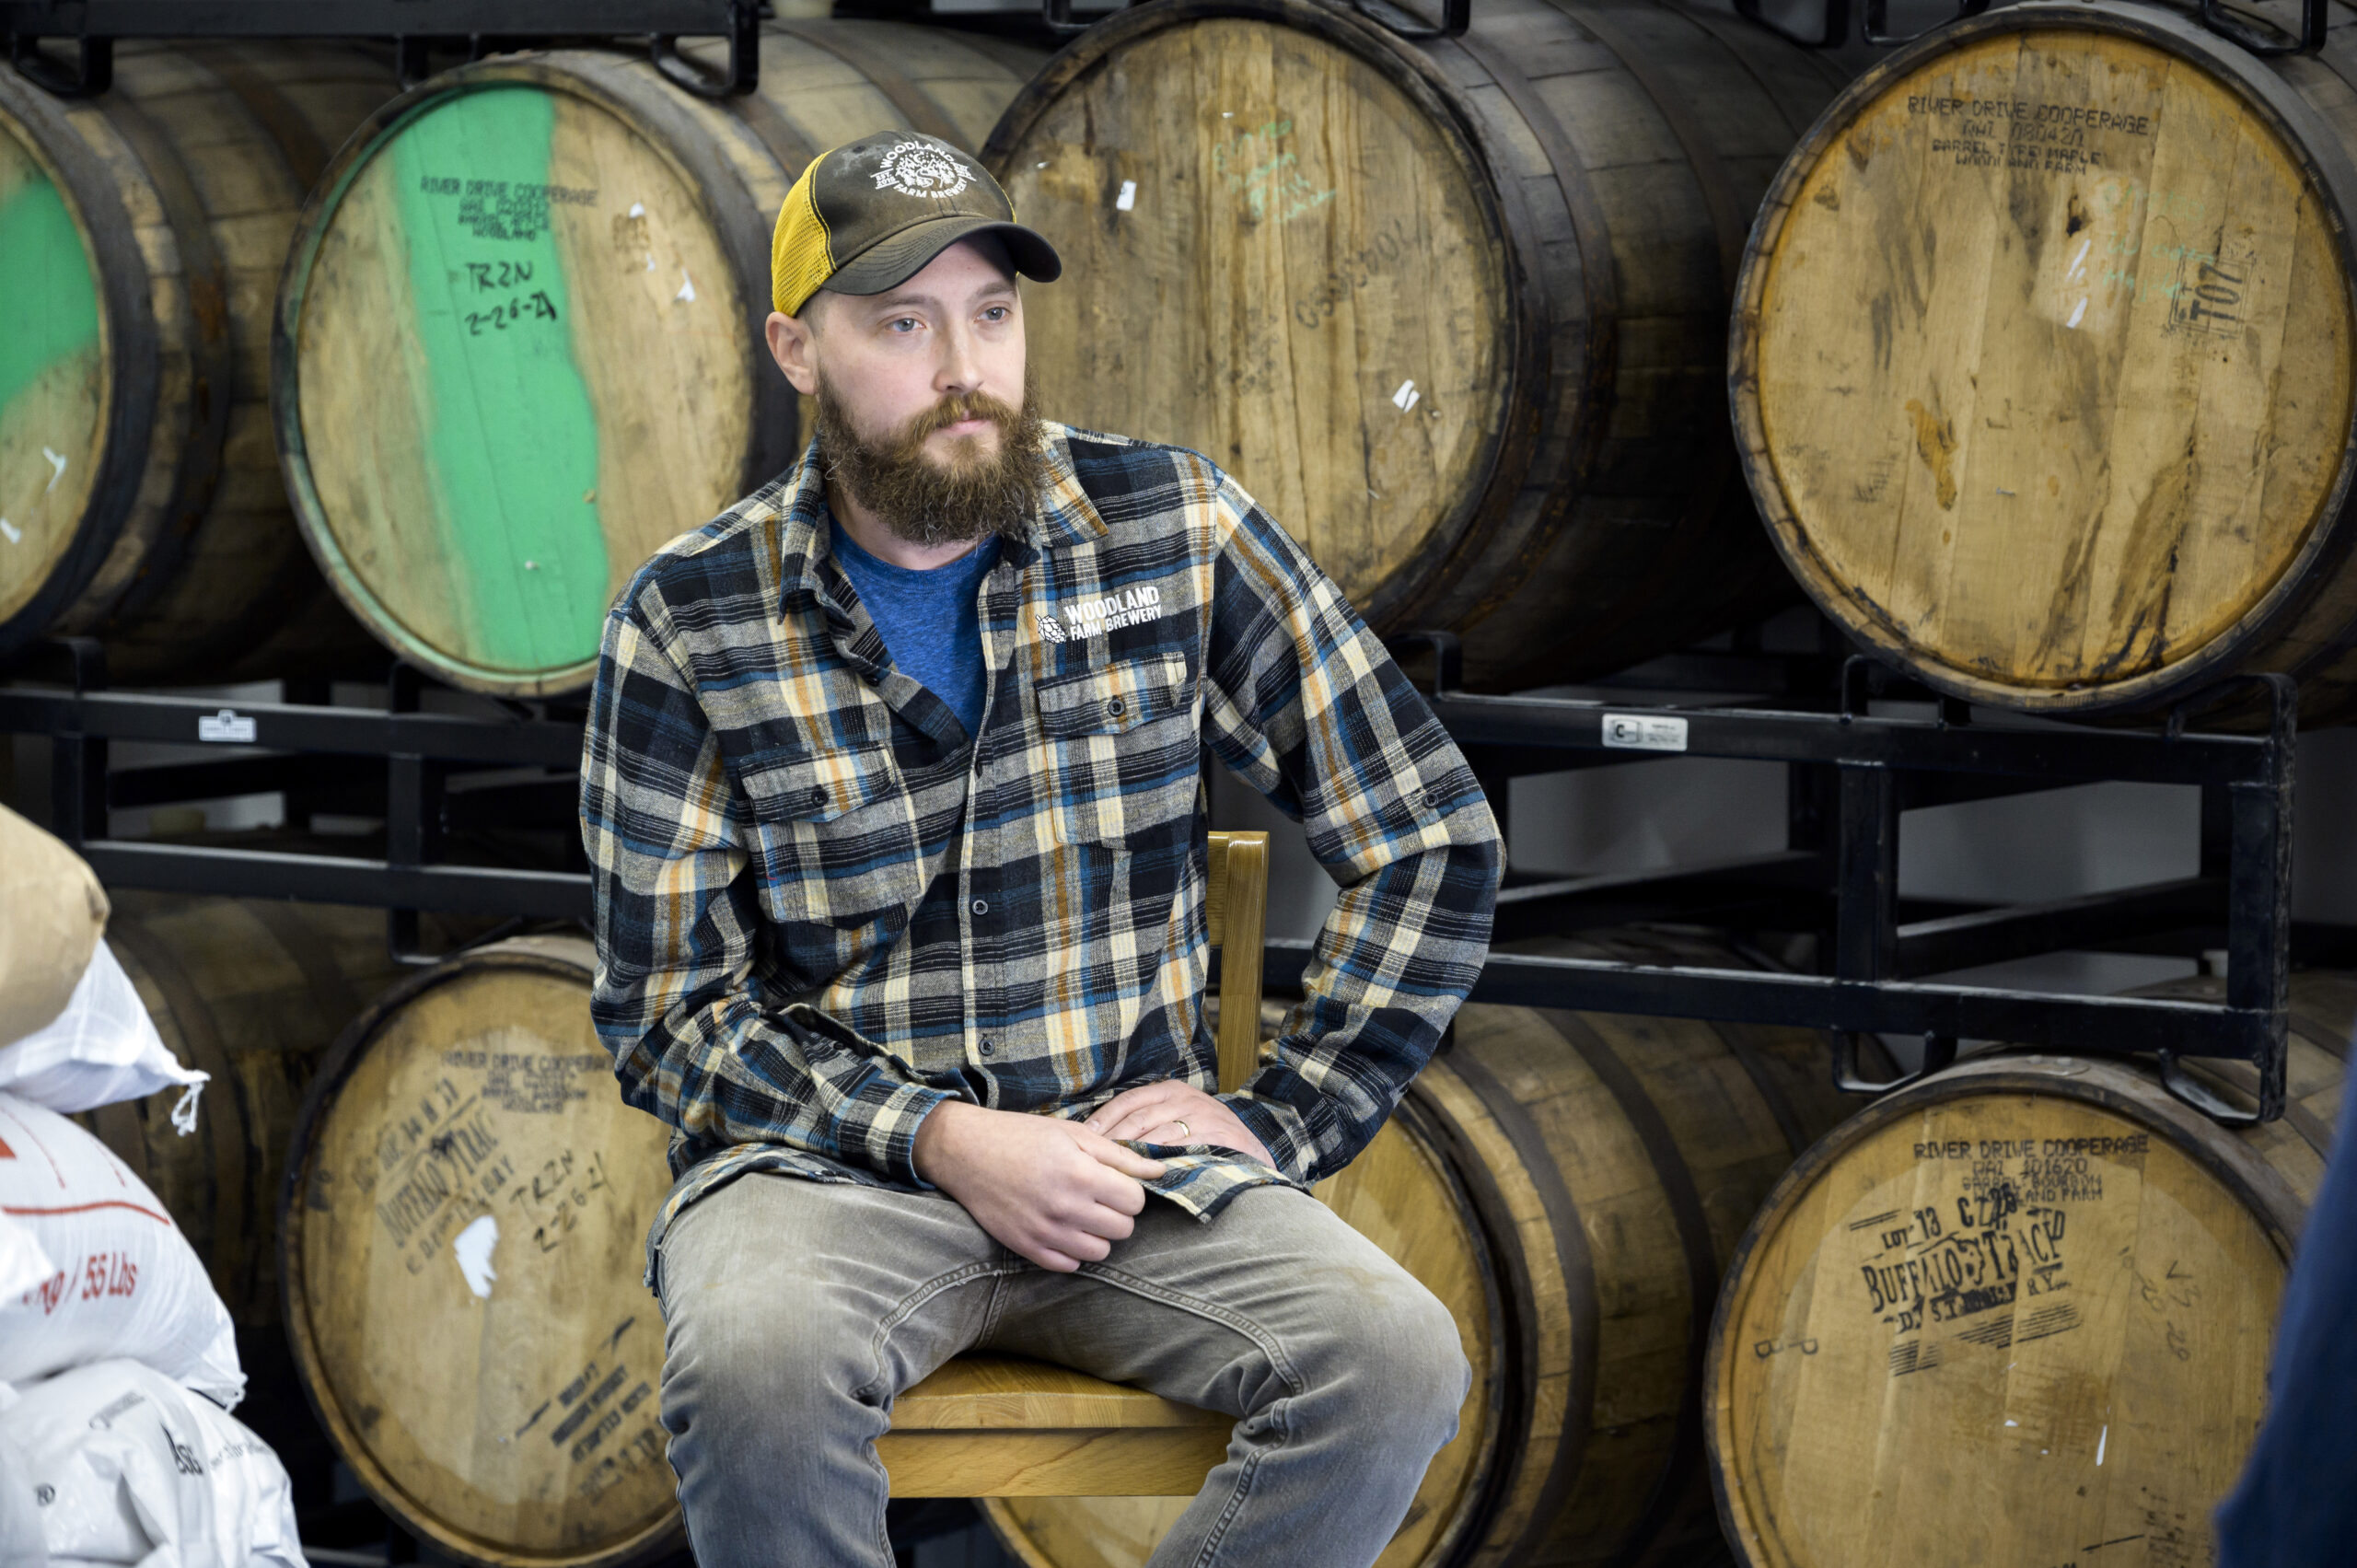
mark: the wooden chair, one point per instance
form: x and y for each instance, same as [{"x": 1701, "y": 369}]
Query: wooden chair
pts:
[{"x": 1001, "y": 1427}]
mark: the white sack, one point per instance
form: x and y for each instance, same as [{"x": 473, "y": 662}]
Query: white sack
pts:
[
  {"x": 132, "y": 1467},
  {"x": 125, "y": 1281},
  {"x": 23, "y": 1264},
  {"x": 54, "y": 911},
  {"x": 101, "y": 1050},
  {"x": 20, "y": 1544}
]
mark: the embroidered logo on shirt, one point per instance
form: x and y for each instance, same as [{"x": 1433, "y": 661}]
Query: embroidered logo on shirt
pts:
[{"x": 1108, "y": 614}]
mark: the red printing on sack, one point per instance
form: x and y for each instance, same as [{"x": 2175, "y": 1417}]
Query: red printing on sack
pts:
[{"x": 84, "y": 1208}]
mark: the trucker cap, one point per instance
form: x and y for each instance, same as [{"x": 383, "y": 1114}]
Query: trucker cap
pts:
[{"x": 868, "y": 216}]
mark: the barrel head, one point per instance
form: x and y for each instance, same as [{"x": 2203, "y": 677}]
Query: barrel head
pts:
[
  {"x": 55, "y": 386},
  {"x": 464, "y": 1237},
  {"x": 2043, "y": 357},
  {"x": 1277, "y": 254},
  {"x": 520, "y": 360},
  {"x": 2000, "y": 1322}
]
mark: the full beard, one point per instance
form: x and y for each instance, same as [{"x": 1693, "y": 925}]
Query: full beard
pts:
[{"x": 926, "y": 502}]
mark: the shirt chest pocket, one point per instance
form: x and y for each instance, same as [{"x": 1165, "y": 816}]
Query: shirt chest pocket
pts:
[
  {"x": 1124, "y": 756},
  {"x": 835, "y": 836}
]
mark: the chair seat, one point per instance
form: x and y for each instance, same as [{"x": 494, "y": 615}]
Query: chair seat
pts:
[{"x": 1051, "y": 1433}]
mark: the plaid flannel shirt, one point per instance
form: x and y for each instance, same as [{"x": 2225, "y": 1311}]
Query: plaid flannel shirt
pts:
[{"x": 822, "y": 909}]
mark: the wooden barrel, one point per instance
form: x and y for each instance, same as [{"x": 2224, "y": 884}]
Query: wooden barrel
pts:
[
  {"x": 519, "y": 342},
  {"x": 2018, "y": 1311},
  {"x": 1608, "y": 1164},
  {"x": 141, "y": 235},
  {"x": 465, "y": 1221},
  {"x": 1451, "y": 312},
  {"x": 253, "y": 992},
  {"x": 2042, "y": 361}
]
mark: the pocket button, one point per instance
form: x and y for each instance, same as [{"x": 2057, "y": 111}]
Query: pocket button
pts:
[{"x": 1113, "y": 706}]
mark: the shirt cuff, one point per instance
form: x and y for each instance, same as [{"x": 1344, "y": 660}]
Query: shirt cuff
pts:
[
  {"x": 887, "y": 1143},
  {"x": 1280, "y": 1130}
]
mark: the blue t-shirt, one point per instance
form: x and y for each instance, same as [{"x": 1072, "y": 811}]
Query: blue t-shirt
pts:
[{"x": 927, "y": 618}]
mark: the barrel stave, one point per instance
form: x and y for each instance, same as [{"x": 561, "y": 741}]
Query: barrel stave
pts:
[
  {"x": 168, "y": 336},
  {"x": 1635, "y": 1241}
]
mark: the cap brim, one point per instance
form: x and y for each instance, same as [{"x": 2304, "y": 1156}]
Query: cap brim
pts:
[{"x": 897, "y": 257}]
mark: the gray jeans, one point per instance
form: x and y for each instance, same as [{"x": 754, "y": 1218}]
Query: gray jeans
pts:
[{"x": 795, "y": 1311}]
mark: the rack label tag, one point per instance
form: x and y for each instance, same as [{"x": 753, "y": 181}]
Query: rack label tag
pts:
[
  {"x": 235, "y": 728},
  {"x": 1638, "y": 732}
]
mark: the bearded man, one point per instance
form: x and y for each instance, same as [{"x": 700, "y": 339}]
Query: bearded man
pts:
[{"x": 894, "y": 794}]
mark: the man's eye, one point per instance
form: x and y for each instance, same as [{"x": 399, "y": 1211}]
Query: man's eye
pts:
[
  {"x": 996, "y": 313},
  {"x": 905, "y": 324}
]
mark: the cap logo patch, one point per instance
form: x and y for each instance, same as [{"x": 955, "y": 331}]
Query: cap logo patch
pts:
[{"x": 915, "y": 169}]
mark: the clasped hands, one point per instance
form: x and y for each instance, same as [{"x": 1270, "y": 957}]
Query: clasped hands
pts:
[{"x": 1062, "y": 1192}]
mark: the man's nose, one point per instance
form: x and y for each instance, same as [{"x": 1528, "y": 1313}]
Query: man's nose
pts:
[{"x": 960, "y": 370}]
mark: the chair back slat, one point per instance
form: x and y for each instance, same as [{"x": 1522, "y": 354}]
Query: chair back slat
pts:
[
  {"x": 1239, "y": 927},
  {"x": 1217, "y": 900}
]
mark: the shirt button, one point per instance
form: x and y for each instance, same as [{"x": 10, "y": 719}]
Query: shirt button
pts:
[
  {"x": 982, "y": 906},
  {"x": 1433, "y": 797},
  {"x": 988, "y": 1047},
  {"x": 818, "y": 795},
  {"x": 1113, "y": 706}
]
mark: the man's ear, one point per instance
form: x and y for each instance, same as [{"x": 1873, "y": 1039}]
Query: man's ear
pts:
[{"x": 793, "y": 343}]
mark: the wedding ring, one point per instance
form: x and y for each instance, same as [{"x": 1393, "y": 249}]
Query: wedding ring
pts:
[{"x": 1184, "y": 1130}]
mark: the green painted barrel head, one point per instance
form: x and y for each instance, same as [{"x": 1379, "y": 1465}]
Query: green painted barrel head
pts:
[
  {"x": 522, "y": 366},
  {"x": 55, "y": 388}
]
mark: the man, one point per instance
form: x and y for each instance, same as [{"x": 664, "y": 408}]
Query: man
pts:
[
  {"x": 2296, "y": 1506},
  {"x": 893, "y": 790}
]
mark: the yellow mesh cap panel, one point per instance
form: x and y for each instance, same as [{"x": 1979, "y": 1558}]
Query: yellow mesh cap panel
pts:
[{"x": 799, "y": 260}]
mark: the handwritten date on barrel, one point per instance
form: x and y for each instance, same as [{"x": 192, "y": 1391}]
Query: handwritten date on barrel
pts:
[
  {"x": 559, "y": 1194},
  {"x": 534, "y": 306}
]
